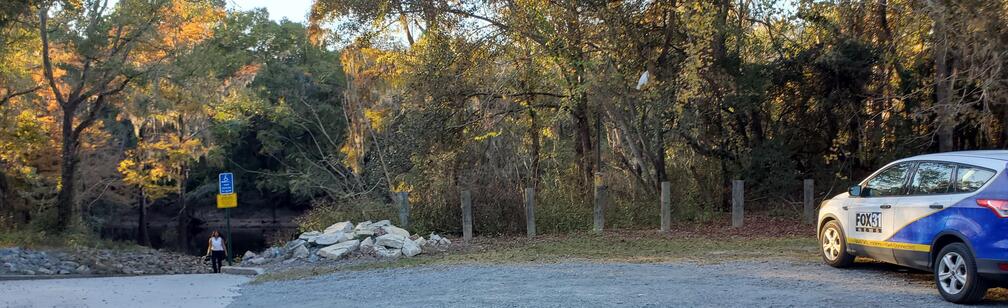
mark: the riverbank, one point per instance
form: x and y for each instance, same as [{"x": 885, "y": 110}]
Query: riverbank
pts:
[{"x": 28, "y": 263}]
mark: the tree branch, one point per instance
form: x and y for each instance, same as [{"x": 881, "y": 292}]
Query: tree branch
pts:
[
  {"x": 46, "y": 60},
  {"x": 99, "y": 103},
  {"x": 14, "y": 93}
]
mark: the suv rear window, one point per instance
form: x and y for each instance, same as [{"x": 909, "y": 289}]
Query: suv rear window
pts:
[{"x": 971, "y": 178}]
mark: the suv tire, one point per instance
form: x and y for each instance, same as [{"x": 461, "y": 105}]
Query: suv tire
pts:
[
  {"x": 956, "y": 275},
  {"x": 833, "y": 245}
]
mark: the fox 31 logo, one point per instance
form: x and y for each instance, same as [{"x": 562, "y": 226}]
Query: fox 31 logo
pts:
[{"x": 868, "y": 222}]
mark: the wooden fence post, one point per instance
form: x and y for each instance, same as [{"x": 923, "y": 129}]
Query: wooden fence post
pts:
[
  {"x": 530, "y": 226},
  {"x": 404, "y": 209},
  {"x": 599, "y": 205},
  {"x": 666, "y": 206},
  {"x": 467, "y": 231},
  {"x": 738, "y": 203},
  {"x": 808, "y": 213}
]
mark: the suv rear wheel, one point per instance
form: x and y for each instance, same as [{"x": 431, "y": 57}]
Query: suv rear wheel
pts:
[
  {"x": 956, "y": 275},
  {"x": 834, "y": 245}
]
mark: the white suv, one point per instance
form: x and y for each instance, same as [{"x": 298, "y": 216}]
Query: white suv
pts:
[{"x": 943, "y": 212}]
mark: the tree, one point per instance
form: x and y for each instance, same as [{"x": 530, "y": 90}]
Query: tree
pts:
[
  {"x": 16, "y": 48},
  {"x": 300, "y": 83},
  {"x": 969, "y": 95},
  {"x": 494, "y": 96},
  {"x": 152, "y": 167},
  {"x": 168, "y": 111},
  {"x": 96, "y": 53},
  {"x": 94, "y": 63}
]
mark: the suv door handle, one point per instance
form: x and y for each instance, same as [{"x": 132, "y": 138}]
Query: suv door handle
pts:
[
  {"x": 885, "y": 206},
  {"x": 936, "y": 206},
  {"x": 844, "y": 207}
]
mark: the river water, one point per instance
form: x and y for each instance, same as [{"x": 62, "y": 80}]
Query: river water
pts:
[{"x": 243, "y": 238}]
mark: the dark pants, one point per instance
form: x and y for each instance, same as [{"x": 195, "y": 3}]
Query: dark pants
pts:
[{"x": 216, "y": 257}]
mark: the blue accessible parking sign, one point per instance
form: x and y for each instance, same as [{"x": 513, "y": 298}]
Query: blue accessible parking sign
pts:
[{"x": 226, "y": 183}]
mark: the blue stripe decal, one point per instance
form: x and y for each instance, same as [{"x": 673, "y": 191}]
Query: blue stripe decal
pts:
[{"x": 986, "y": 233}]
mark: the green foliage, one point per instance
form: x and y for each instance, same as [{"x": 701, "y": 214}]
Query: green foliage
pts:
[
  {"x": 494, "y": 97},
  {"x": 562, "y": 207},
  {"x": 283, "y": 119}
]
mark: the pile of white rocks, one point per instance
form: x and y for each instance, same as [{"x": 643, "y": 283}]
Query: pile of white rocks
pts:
[{"x": 342, "y": 239}]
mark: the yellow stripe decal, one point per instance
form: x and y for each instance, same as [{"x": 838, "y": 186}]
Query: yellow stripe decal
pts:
[{"x": 890, "y": 245}]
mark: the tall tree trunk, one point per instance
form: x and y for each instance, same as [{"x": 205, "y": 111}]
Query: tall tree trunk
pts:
[
  {"x": 720, "y": 57},
  {"x": 273, "y": 210},
  {"x": 659, "y": 158},
  {"x": 184, "y": 216},
  {"x": 68, "y": 151},
  {"x": 720, "y": 35},
  {"x": 404, "y": 23},
  {"x": 143, "y": 239},
  {"x": 725, "y": 191},
  {"x": 1004, "y": 128},
  {"x": 756, "y": 124},
  {"x": 577, "y": 57},
  {"x": 534, "y": 134},
  {"x": 635, "y": 144},
  {"x": 582, "y": 131},
  {"x": 4, "y": 210},
  {"x": 854, "y": 146},
  {"x": 943, "y": 86}
]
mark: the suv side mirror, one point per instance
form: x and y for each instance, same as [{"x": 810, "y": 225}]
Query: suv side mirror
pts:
[{"x": 854, "y": 191}]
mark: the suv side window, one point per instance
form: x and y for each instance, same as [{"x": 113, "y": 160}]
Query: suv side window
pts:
[
  {"x": 971, "y": 178},
  {"x": 932, "y": 178},
  {"x": 889, "y": 182}
]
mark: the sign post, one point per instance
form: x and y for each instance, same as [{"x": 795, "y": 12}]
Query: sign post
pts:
[
  {"x": 227, "y": 217},
  {"x": 227, "y": 199}
]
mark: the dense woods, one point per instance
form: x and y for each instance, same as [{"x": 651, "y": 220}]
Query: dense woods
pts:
[{"x": 110, "y": 108}]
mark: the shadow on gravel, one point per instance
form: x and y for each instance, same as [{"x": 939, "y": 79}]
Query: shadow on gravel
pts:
[
  {"x": 995, "y": 296},
  {"x": 914, "y": 275}
]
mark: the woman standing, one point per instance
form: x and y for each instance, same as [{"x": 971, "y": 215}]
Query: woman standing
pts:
[{"x": 216, "y": 250}]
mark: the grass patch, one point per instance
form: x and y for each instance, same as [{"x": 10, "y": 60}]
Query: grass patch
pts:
[
  {"x": 614, "y": 247},
  {"x": 651, "y": 249},
  {"x": 631, "y": 247}
]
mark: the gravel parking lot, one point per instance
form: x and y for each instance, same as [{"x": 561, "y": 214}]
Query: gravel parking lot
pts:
[
  {"x": 737, "y": 283},
  {"x": 727, "y": 284},
  {"x": 195, "y": 290}
]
